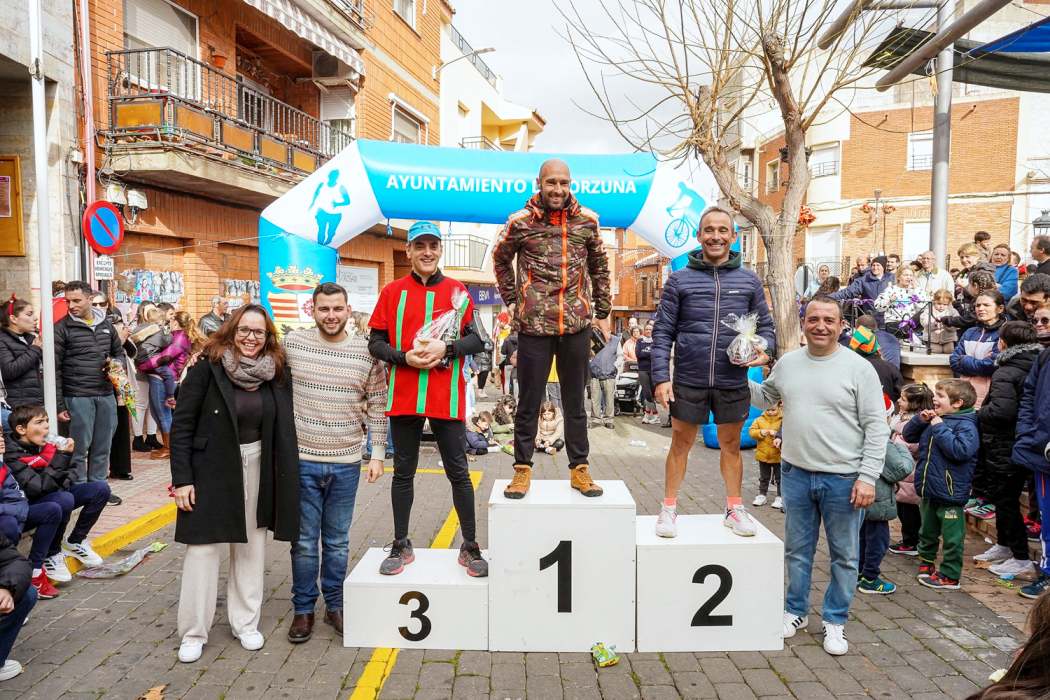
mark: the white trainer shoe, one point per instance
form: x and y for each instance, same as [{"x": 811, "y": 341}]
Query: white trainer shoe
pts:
[
  {"x": 740, "y": 522},
  {"x": 665, "y": 522},
  {"x": 778, "y": 503},
  {"x": 56, "y": 569},
  {"x": 760, "y": 500},
  {"x": 793, "y": 623},
  {"x": 82, "y": 552},
  {"x": 995, "y": 553},
  {"x": 1012, "y": 567},
  {"x": 252, "y": 641},
  {"x": 10, "y": 669},
  {"x": 190, "y": 651},
  {"x": 835, "y": 639}
]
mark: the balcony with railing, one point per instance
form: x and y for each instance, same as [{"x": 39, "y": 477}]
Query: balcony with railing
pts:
[
  {"x": 464, "y": 252},
  {"x": 163, "y": 100},
  {"x": 360, "y": 15},
  {"x": 463, "y": 45},
  {"x": 479, "y": 143},
  {"x": 824, "y": 169}
]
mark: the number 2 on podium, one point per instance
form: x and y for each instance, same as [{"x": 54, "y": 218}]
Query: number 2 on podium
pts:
[{"x": 562, "y": 556}]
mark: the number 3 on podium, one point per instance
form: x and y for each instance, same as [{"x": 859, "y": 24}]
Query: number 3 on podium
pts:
[{"x": 417, "y": 614}]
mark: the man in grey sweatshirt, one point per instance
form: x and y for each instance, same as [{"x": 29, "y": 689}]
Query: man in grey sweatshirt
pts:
[{"x": 835, "y": 434}]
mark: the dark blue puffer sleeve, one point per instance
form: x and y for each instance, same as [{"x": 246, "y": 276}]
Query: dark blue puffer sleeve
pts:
[{"x": 665, "y": 331}]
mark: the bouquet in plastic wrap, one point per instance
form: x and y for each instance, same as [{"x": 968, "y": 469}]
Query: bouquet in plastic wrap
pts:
[
  {"x": 119, "y": 379},
  {"x": 446, "y": 326},
  {"x": 748, "y": 344}
]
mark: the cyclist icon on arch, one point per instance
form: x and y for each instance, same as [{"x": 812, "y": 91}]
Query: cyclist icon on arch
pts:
[{"x": 686, "y": 210}]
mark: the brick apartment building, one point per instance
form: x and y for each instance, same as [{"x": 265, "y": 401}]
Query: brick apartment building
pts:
[{"x": 208, "y": 110}]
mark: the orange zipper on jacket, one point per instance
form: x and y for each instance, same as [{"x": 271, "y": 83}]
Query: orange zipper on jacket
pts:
[{"x": 564, "y": 272}]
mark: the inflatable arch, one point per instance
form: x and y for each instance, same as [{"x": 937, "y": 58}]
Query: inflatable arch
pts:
[{"x": 370, "y": 182}]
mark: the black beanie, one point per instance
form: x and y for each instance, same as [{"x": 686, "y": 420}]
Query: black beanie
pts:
[{"x": 881, "y": 259}]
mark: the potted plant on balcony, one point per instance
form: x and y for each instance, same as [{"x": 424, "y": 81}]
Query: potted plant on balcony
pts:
[{"x": 218, "y": 58}]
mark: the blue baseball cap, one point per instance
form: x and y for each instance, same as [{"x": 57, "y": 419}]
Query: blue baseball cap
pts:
[{"x": 423, "y": 228}]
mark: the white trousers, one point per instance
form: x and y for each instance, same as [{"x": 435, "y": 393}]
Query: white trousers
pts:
[
  {"x": 143, "y": 423},
  {"x": 244, "y": 589}
]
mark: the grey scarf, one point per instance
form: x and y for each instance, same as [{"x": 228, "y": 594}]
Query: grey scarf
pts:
[{"x": 248, "y": 372}]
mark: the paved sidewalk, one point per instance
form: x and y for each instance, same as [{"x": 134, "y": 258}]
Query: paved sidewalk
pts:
[{"x": 117, "y": 639}]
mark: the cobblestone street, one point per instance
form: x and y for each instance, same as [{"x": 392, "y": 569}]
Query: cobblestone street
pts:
[{"x": 116, "y": 639}]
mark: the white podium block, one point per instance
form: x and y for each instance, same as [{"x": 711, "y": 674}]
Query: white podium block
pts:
[
  {"x": 708, "y": 589},
  {"x": 432, "y": 604},
  {"x": 561, "y": 570}
]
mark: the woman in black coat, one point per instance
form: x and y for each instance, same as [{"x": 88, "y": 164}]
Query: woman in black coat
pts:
[
  {"x": 21, "y": 351},
  {"x": 235, "y": 474}
]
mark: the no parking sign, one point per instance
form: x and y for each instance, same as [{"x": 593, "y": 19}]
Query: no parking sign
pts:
[{"x": 103, "y": 228}]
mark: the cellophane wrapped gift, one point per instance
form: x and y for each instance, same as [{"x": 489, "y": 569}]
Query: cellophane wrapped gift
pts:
[{"x": 748, "y": 344}]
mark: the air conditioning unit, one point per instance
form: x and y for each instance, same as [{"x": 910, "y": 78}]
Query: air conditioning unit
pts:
[{"x": 329, "y": 70}]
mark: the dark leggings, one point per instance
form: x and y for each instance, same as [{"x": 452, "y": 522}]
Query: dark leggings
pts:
[
  {"x": 483, "y": 376},
  {"x": 1009, "y": 523},
  {"x": 645, "y": 379},
  {"x": 768, "y": 472},
  {"x": 452, "y": 441},
  {"x": 911, "y": 520}
]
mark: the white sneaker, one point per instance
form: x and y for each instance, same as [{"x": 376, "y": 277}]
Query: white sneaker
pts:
[
  {"x": 995, "y": 553},
  {"x": 738, "y": 520},
  {"x": 82, "y": 552},
  {"x": 253, "y": 641},
  {"x": 835, "y": 639},
  {"x": 1012, "y": 567},
  {"x": 760, "y": 500},
  {"x": 56, "y": 569},
  {"x": 10, "y": 669},
  {"x": 190, "y": 651},
  {"x": 793, "y": 623},
  {"x": 778, "y": 503},
  {"x": 665, "y": 522}
]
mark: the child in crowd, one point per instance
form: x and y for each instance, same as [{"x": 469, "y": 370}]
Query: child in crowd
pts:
[
  {"x": 941, "y": 337},
  {"x": 875, "y": 531},
  {"x": 479, "y": 434},
  {"x": 152, "y": 338},
  {"x": 503, "y": 416},
  {"x": 17, "y": 516},
  {"x": 763, "y": 431},
  {"x": 551, "y": 430},
  {"x": 948, "y": 444},
  {"x": 915, "y": 398},
  {"x": 1018, "y": 350},
  {"x": 1029, "y": 675},
  {"x": 45, "y": 474}
]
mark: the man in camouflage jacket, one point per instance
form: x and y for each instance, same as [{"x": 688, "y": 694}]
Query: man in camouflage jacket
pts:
[{"x": 560, "y": 282}]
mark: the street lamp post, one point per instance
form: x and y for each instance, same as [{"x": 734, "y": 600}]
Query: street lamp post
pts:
[
  {"x": 476, "y": 52},
  {"x": 1041, "y": 225}
]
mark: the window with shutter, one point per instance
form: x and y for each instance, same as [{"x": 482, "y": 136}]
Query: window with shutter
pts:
[
  {"x": 407, "y": 10},
  {"x": 338, "y": 111},
  {"x": 406, "y": 128},
  {"x": 161, "y": 24}
]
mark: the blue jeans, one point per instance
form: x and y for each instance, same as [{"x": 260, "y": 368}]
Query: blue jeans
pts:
[
  {"x": 809, "y": 498},
  {"x": 93, "y": 421},
  {"x": 158, "y": 394},
  {"x": 44, "y": 519},
  {"x": 93, "y": 496},
  {"x": 874, "y": 542},
  {"x": 326, "y": 506},
  {"x": 11, "y": 623}
]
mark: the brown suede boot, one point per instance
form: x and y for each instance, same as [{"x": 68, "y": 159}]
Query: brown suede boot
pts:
[
  {"x": 163, "y": 452},
  {"x": 519, "y": 485},
  {"x": 581, "y": 481}
]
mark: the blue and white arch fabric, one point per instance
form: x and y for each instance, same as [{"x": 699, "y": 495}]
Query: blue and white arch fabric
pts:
[{"x": 374, "y": 181}]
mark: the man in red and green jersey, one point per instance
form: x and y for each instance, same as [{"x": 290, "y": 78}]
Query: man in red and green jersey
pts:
[{"x": 426, "y": 383}]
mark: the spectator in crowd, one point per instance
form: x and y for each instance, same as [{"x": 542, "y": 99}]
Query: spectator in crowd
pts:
[
  {"x": 153, "y": 340},
  {"x": 21, "y": 351},
  {"x": 865, "y": 343},
  {"x": 974, "y": 356},
  {"x": 213, "y": 320},
  {"x": 829, "y": 286},
  {"x": 983, "y": 241},
  {"x": 1018, "y": 350},
  {"x": 230, "y": 490},
  {"x": 644, "y": 350},
  {"x": 46, "y": 475},
  {"x": 1005, "y": 272},
  {"x": 765, "y": 431},
  {"x": 1029, "y": 674},
  {"x": 901, "y": 303},
  {"x": 893, "y": 263},
  {"x": 630, "y": 354},
  {"x": 948, "y": 444},
  {"x": 1041, "y": 321},
  {"x": 17, "y": 598},
  {"x": 971, "y": 261},
  {"x": 550, "y": 433},
  {"x": 829, "y": 482},
  {"x": 120, "y": 450},
  {"x": 889, "y": 346},
  {"x": 479, "y": 434},
  {"x": 863, "y": 263},
  {"x": 1040, "y": 251},
  {"x": 980, "y": 281},
  {"x": 507, "y": 352},
  {"x": 931, "y": 278},
  {"x": 939, "y": 334},
  {"x": 17, "y": 516},
  {"x": 1035, "y": 294},
  {"x": 337, "y": 389},
  {"x": 483, "y": 364},
  {"x": 875, "y": 531},
  {"x": 59, "y": 306},
  {"x": 145, "y": 425},
  {"x": 823, "y": 272},
  {"x": 915, "y": 398},
  {"x": 864, "y": 290},
  {"x": 168, "y": 312},
  {"x": 553, "y": 274},
  {"x": 605, "y": 366},
  {"x": 85, "y": 341}
]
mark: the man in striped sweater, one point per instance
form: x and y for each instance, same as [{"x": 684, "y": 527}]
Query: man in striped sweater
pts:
[{"x": 337, "y": 387}]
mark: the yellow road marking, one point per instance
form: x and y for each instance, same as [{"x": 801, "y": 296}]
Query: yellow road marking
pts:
[
  {"x": 378, "y": 668},
  {"x": 122, "y": 536}
]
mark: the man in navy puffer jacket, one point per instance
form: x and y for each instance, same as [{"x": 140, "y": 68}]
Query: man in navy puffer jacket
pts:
[{"x": 693, "y": 305}]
